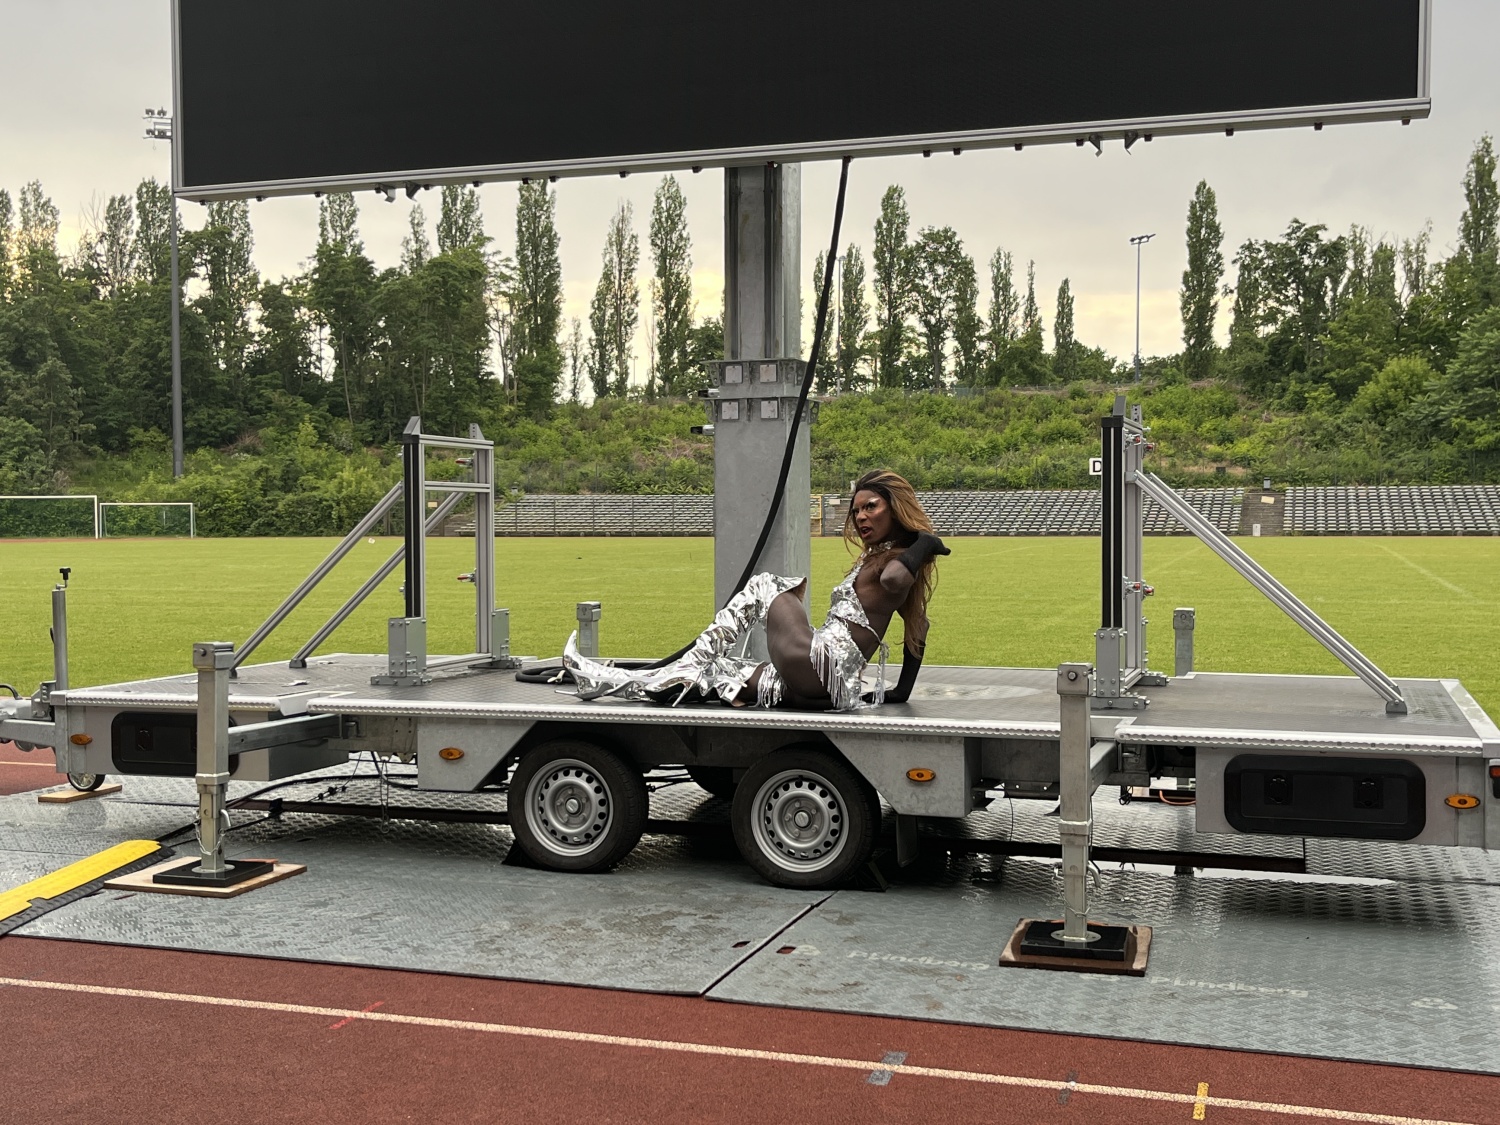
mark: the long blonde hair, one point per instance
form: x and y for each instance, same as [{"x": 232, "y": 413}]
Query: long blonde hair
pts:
[{"x": 910, "y": 518}]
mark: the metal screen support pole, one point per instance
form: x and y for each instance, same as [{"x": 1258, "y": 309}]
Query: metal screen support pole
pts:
[
  {"x": 414, "y": 480},
  {"x": 1076, "y": 799},
  {"x": 1109, "y": 686},
  {"x": 588, "y": 628},
  {"x": 1183, "y": 622}
]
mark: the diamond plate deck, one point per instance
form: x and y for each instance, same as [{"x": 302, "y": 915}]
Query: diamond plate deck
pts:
[{"x": 1400, "y": 973}]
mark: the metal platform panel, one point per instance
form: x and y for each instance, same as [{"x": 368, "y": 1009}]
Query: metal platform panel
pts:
[
  {"x": 1369, "y": 970},
  {"x": 1219, "y": 709},
  {"x": 1383, "y": 953}
]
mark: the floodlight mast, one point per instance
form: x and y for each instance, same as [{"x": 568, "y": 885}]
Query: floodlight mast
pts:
[
  {"x": 159, "y": 128},
  {"x": 1138, "y": 241}
]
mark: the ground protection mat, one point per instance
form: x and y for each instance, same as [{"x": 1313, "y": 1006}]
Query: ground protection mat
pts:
[{"x": 1367, "y": 970}]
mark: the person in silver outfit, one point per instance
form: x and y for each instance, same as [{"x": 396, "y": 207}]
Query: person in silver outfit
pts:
[{"x": 809, "y": 669}]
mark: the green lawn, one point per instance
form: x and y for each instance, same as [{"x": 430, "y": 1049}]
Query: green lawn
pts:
[{"x": 1417, "y": 607}]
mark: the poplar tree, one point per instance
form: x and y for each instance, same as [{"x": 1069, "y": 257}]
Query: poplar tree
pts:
[
  {"x": 537, "y": 300},
  {"x": 968, "y": 328},
  {"x": 1064, "y": 345},
  {"x": 415, "y": 249},
  {"x": 672, "y": 296},
  {"x": 1477, "y": 234},
  {"x": 1200, "y": 283},
  {"x": 341, "y": 291},
  {"x": 854, "y": 319},
  {"x": 460, "y": 225},
  {"x": 1031, "y": 316},
  {"x": 1005, "y": 304},
  {"x": 615, "y": 312},
  {"x": 892, "y": 265},
  {"x": 7, "y": 238},
  {"x": 826, "y": 377}
]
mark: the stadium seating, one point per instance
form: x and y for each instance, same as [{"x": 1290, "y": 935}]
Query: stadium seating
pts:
[
  {"x": 1452, "y": 509},
  {"x": 1472, "y": 509}
]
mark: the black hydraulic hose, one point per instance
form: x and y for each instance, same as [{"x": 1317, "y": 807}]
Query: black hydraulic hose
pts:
[{"x": 819, "y": 325}]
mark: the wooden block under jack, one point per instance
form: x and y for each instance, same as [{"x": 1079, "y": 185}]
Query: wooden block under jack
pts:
[
  {"x": 142, "y": 880},
  {"x": 68, "y": 796},
  {"x": 1137, "y": 951}
]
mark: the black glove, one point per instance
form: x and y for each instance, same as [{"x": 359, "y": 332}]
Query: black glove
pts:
[
  {"x": 916, "y": 556},
  {"x": 911, "y": 664}
]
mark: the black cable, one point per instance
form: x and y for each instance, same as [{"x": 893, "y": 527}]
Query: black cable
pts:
[
  {"x": 807, "y": 383},
  {"x": 12, "y": 690}
]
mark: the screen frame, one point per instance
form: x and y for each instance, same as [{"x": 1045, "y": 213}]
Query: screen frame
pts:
[{"x": 1080, "y": 133}]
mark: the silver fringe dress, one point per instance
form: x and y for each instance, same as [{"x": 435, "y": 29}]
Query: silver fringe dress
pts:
[{"x": 710, "y": 666}]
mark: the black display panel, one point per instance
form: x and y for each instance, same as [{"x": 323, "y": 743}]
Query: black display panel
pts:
[{"x": 292, "y": 95}]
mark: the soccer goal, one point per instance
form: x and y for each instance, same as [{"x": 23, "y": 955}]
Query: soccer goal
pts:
[
  {"x": 142, "y": 519},
  {"x": 49, "y": 517}
]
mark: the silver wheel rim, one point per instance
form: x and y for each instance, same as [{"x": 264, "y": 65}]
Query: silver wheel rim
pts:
[
  {"x": 568, "y": 807},
  {"x": 84, "y": 781},
  {"x": 800, "y": 821}
]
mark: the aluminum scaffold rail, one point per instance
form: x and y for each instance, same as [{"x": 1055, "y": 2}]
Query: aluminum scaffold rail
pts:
[{"x": 1288, "y": 602}]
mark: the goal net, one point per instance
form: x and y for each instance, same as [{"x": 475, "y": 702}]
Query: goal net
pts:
[
  {"x": 120, "y": 520},
  {"x": 49, "y": 517}
]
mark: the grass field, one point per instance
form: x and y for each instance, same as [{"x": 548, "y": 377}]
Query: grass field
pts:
[{"x": 1417, "y": 607}]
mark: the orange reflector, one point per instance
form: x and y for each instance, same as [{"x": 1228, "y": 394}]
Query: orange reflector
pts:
[
  {"x": 81, "y": 739},
  {"x": 1495, "y": 771},
  {"x": 920, "y": 774},
  {"x": 1462, "y": 801},
  {"x": 450, "y": 753}
]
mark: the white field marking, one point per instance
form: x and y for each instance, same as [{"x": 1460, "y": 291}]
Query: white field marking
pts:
[
  {"x": 32, "y": 765},
  {"x": 1425, "y": 573},
  {"x": 1316, "y": 1112}
]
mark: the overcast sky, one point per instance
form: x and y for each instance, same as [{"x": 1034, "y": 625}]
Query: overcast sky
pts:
[{"x": 77, "y": 74}]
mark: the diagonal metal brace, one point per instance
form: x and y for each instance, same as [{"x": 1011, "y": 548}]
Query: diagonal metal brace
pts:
[{"x": 1262, "y": 579}]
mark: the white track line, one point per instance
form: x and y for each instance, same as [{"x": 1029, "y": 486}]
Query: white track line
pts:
[{"x": 865, "y": 1065}]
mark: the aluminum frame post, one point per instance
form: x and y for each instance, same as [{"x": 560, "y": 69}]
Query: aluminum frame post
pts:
[
  {"x": 1184, "y": 620},
  {"x": 588, "y": 628},
  {"x": 482, "y": 462},
  {"x": 414, "y": 494},
  {"x": 1076, "y": 799},
  {"x": 60, "y": 632}
]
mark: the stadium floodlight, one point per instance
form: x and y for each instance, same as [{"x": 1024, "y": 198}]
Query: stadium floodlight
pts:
[
  {"x": 159, "y": 128},
  {"x": 1138, "y": 241}
]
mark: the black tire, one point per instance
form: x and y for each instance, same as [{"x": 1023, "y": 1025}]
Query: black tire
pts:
[
  {"x": 718, "y": 780},
  {"x": 575, "y": 806},
  {"x": 87, "y": 782},
  {"x": 838, "y": 810}
]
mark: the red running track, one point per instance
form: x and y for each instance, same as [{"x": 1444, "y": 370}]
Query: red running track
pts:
[
  {"x": 84, "y": 1055},
  {"x": 21, "y": 772}
]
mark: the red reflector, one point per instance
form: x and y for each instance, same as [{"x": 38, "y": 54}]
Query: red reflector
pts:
[{"x": 1495, "y": 771}]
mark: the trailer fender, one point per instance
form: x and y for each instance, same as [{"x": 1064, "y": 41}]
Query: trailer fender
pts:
[
  {"x": 476, "y": 747},
  {"x": 922, "y": 776}
]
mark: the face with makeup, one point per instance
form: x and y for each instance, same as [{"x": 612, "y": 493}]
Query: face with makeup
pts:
[{"x": 873, "y": 518}]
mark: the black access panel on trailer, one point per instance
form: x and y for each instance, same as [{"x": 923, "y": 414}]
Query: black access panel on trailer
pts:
[{"x": 283, "y": 96}]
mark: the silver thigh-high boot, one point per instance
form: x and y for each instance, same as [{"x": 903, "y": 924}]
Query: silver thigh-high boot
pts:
[{"x": 706, "y": 665}]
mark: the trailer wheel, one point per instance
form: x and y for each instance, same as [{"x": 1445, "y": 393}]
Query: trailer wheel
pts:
[
  {"x": 575, "y": 806},
  {"x": 86, "y": 782},
  {"x": 718, "y": 780},
  {"x": 803, "y": 818}
]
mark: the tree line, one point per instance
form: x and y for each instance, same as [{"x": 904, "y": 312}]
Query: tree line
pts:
[{"x": 1348, "y": 339}]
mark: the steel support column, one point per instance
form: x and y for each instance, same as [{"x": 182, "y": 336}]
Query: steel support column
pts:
[{"x": 762, "y": 321}]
